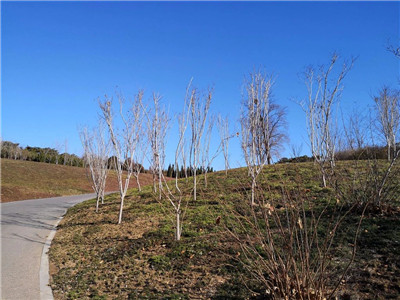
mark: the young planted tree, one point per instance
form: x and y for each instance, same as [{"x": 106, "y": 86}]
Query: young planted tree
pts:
[
  {"x": 355, "y": 131},
  {"x": 124, "y": 141},
  {"x": 262, "y": 122},
  {"x": 175, "y": 195},
  {"x": 206, "y": 159},
  {"x": 387, "y": 105},
  {"x": 198, "y": 108},
  {"x": 182, "y": 145},
  {"x": 323, "y": 94},
  {"x": 183, "y": 124},
  {"x": 96, "y": 150},
  {"x": 157, "y": 125},
  {"x": 180, "y": 159},
  {"x": 223, "y": 128},
  {"x": 139, "y": 156}
]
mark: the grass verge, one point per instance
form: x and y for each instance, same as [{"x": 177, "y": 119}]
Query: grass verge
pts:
[{"x": 93, "y": 257}]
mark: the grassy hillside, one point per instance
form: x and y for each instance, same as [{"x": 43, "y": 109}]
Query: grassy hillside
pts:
[
  {"x": 22, "y": 180},
  {"x": 93, "y": 257}
]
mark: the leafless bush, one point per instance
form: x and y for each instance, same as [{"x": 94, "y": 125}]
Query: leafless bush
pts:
[
  {"x": 288, "y": 244},
  {"x": 373, "y": 181}
]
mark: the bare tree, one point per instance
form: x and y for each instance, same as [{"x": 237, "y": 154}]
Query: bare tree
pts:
[
  {"x": 198, "y": 107},
  {"x": 139, "y": 156},
  {"x": 157, "y": 125},
  {"x": 58, "y": 147},
  {"x": 175, "y": 195},
  {"x": 17, "y": 152},
  {"x": 96, "y": 150},
  {"x": 182, "y": 144},
  {"x": 323, "y": 94},
  {"x": 262, "y": 122},
  {"x": 296, "y": 150},
  {"x": 66, "y": 155},
  {"x": 206, "y": 159},
  {"x": 275, "y": 136},
  {"x": 355, "y": 130},
  {"x": 394, "y": 50},
  {"x": 180, "y": 158},
  {"x": 387, "y": 105},
  {"x": 125, "y": 141},
  {"x": 223, "y": 128},
  {"x": 10, "y": 150}
]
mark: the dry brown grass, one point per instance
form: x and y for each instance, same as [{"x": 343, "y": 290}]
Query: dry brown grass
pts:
[{"x": 22, "y": 180}]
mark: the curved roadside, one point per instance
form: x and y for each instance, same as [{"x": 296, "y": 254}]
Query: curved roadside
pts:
[
  {"x": 27, "y": 229},
  {"x": 44, "y": 273}
]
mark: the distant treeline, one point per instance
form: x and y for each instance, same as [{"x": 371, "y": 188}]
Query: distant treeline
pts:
[
  {"x": 12, "y": 150},
  {"x": 369, "y": 152},
  {"x": 47, "y": 155},
  {"x": 171, "y": 171}
]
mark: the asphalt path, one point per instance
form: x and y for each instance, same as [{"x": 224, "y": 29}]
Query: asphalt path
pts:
[{"x": 26, "y": 231}]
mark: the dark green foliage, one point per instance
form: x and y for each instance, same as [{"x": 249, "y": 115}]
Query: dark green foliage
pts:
[
  {"x": 299, "y": 159},
  {"x": 171, "y": 171},
  {"x": 160, "y": 262},
  {"x": 47, "y": 155},
  {"x": 369, "y": 152}
]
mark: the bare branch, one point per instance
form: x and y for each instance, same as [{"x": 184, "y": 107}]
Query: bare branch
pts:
[
  {"x": 323, "y": 94},
  {"x": 124, "y": 141},
  {"x": 262, "y": 124}
]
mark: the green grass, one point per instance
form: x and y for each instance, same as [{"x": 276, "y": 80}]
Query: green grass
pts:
[{"x": 93, "y": 257}]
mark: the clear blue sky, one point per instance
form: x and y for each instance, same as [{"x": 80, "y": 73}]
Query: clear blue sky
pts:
[{"x": 58, "y": 57}]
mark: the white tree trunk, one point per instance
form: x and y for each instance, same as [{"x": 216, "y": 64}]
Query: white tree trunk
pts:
[
  {"x": 178, "y": 227},
  {"x": 253, "y": 191}
]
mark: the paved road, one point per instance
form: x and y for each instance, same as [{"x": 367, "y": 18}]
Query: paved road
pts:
[{"x": 25, "y": 226}]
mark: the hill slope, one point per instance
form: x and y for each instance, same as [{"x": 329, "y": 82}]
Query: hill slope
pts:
[
  {"x": 21, "y": 180},
  {"x": 93, "y": 257}
]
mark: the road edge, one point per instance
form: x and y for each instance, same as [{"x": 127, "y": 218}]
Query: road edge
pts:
[{"x": 46, "y": 293}]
